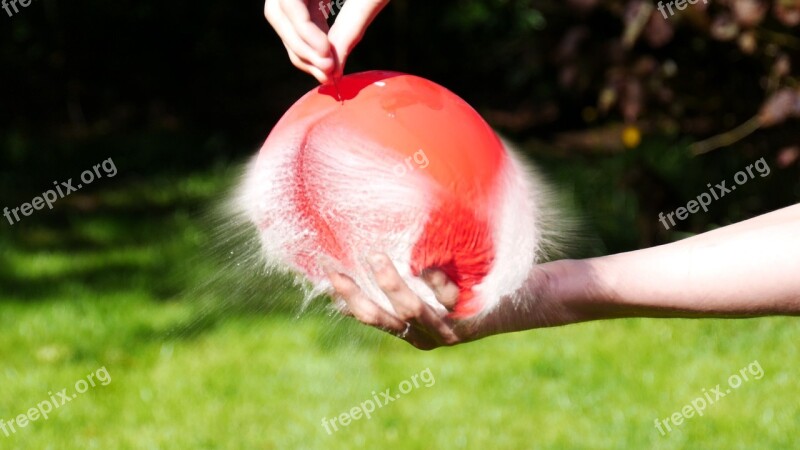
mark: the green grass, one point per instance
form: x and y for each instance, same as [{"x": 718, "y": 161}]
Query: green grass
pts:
[{"x": 211, "y": 364}]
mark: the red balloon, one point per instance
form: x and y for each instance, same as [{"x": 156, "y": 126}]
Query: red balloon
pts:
[{"x": 395, "y": 163}]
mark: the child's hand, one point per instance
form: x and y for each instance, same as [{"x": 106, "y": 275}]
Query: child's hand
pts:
[{"x": 312, "y": 46}]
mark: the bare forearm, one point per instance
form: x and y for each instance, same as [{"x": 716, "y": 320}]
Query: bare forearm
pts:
[
  {"x": 744, "y": 270},
  {"x": 750, "y": 268}
]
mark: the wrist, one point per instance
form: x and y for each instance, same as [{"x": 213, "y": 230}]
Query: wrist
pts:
[{"x": 583, "y": 290}]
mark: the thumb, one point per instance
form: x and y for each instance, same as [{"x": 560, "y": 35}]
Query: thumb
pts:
[
  {"x": 351, "y": 23},
  {"x": 445, "y": 290}
]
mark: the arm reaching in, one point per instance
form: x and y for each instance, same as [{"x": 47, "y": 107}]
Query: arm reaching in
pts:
[
  {"x": 747, "y": 269},
  {"x": 312, "y": 46}
]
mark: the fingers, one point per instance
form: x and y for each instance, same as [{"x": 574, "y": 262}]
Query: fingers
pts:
[
  {"x": 361, "y": 307},
  {"x": 444, "y": 288},
  {"x": 366, "y": 311},
  {"x": 404, "y": 301},
  {"x": 320, "y": 19},
  {"x": 307, "y": 67},
  {"x": 408, "y": 306},
  {"x": 413, "y": 320},
  {"x": 304, "y": 33},
  {"x": 312, "y": 30},
  {"x": 303, "y": 28},
  {"x": 350, "y": 25}
]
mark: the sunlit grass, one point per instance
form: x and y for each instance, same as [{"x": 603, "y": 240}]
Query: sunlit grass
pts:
[{"x": 211, "y": 365}]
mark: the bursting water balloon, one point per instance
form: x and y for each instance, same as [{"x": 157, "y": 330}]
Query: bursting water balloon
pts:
[{"x": 395, "y": 163}]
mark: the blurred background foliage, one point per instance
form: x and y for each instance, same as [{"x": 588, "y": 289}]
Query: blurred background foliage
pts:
[
  {"x": 621, "y": 108},
  {"x": 609, "y": 90}
]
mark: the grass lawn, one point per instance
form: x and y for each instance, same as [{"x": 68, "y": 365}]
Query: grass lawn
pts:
[{"x": 120, "y": 278}]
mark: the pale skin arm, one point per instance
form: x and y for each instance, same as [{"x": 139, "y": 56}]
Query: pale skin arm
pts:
[
  {"x": 313, "y": 47},
  {"x": 747, "y": 269}
]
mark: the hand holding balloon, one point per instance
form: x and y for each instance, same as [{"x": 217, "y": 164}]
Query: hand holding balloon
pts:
[
  {"x": 426, "y": 328},
  {"x": 747, "y": 269}
]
